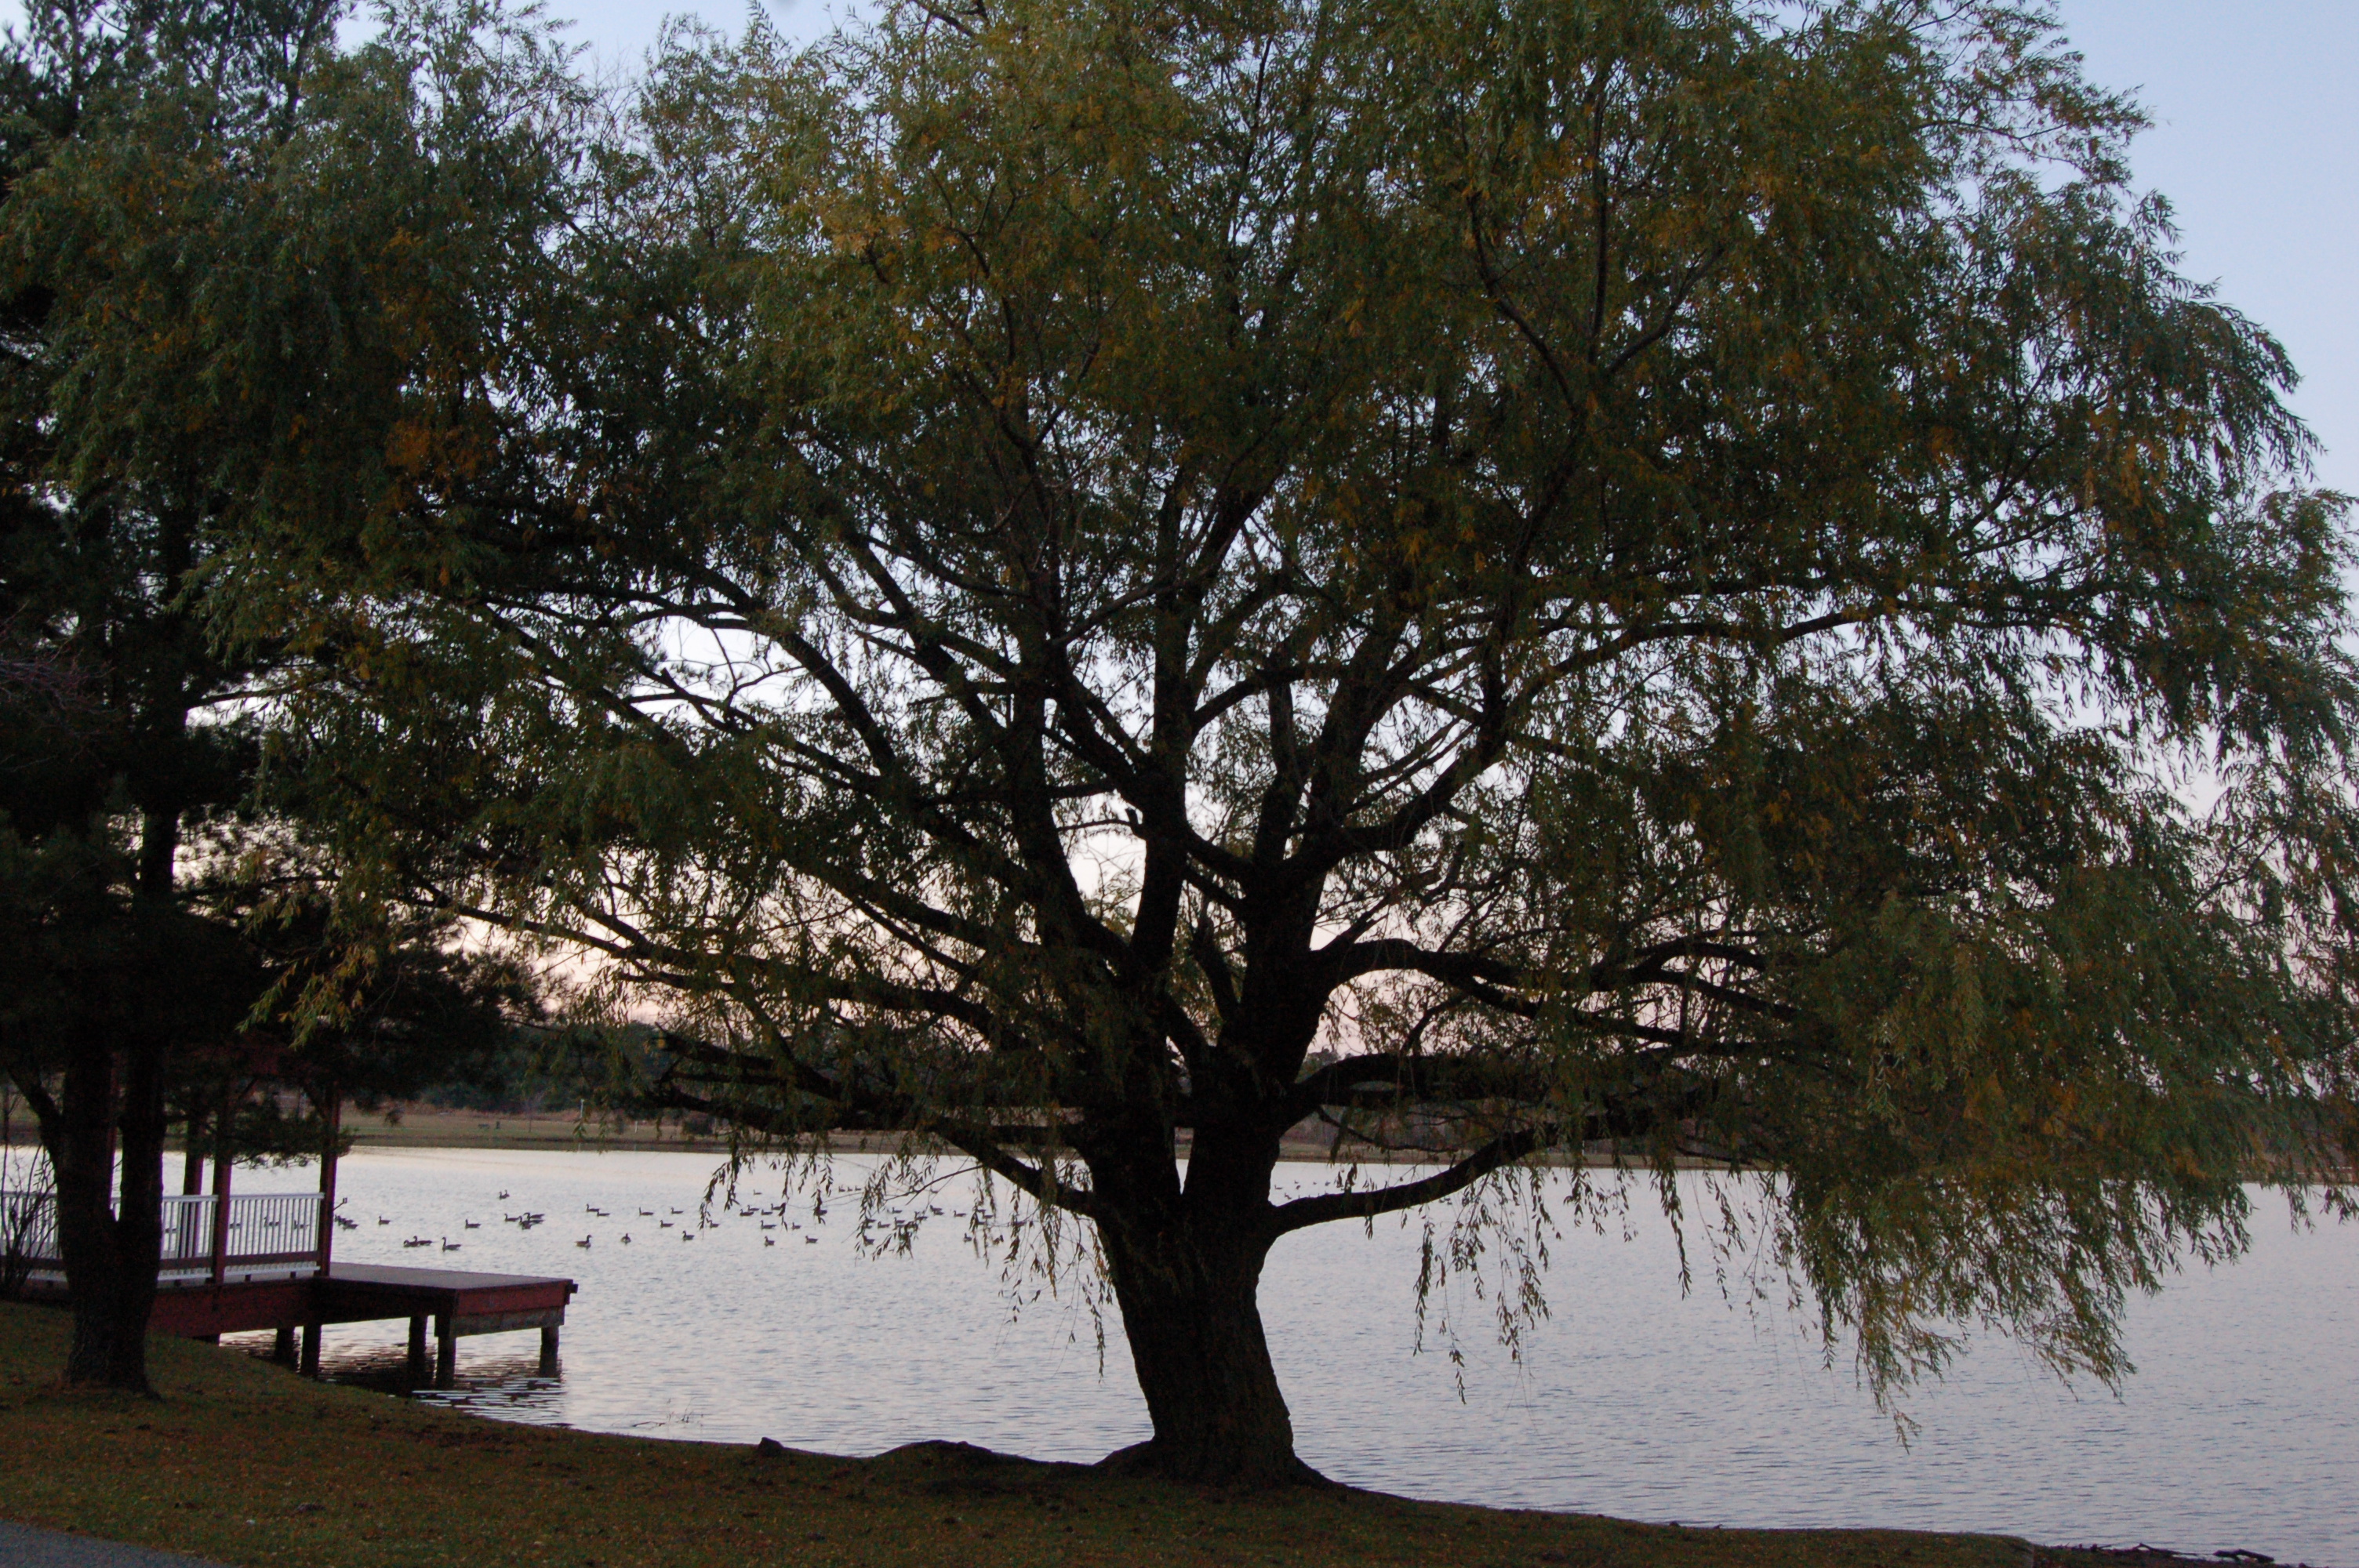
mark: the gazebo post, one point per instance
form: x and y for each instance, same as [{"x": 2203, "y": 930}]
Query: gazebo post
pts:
[
  {"x": 330, "y": 1110},
  {"x": 187, "y": 1218}
]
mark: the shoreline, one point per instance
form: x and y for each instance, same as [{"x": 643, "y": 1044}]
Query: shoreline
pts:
[{"x": 244, "y": 1463}]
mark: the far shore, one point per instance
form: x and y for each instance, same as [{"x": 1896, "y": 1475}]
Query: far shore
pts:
[{"x": 437, "y": 1127}]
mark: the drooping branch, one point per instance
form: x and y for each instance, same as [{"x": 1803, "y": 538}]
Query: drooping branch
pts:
[
  {"x": 1393, "y": 1082},
  {"x": 850, "y": 1108},
  {"x": 1501, "y": 1151}
]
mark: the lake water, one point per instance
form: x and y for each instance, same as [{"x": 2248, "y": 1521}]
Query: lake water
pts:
[{"x": 2240, "y": 1431}]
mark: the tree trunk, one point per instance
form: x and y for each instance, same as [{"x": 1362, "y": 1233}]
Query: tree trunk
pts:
[
  {"x": 80, "y": 1155},
  {"x": 109, "y": 1248},
  {"x": 192, "y": 1154},
  {"x": 139, "y": 1214},
  {"x": 125, "y": 1245},
  {"x": 1189, "y": 1306}
]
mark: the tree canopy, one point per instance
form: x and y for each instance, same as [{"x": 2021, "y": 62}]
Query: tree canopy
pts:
[
  {"x": 158, "y": 315},
  {"x": 1091, "y": 582}
]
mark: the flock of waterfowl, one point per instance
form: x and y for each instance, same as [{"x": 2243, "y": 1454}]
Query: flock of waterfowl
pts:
[
  {"x": 674, "y": 1220},
  {"x": 772, "y": 1218}
]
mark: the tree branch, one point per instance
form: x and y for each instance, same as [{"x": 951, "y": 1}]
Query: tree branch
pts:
[{"x": 1502, "y": 1151}]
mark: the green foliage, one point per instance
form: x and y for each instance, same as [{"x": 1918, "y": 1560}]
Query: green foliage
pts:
[
  {"x": 170, "y": 369},
  {"x": 1684, "y": 575},
  {"x": 129, "y": 722}
]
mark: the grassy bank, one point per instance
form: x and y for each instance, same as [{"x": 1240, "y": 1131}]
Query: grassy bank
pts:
[{"x": 247, "y": 1464}]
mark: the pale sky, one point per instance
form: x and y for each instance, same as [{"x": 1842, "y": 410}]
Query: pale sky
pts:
[{"x": 2255, "y": 141}]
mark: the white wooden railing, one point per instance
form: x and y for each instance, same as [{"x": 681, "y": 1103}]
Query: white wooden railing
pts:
[{"x": 272, "y": 1234}]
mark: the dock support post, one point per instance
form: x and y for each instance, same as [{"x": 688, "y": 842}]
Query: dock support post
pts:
[
  {"x": 418, "y": 1350},
  {"x": 446, "y": 1351},
  {"x": 282, "y": 1348},
  {"x": 310, "y": 1367},
  {"x": 549, "y": 1351}
]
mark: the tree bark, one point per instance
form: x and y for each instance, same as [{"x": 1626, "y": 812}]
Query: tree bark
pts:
[
  {"x": 111, "y": 1313},
  {"x": 1188, "y": 1307},
  {"x": 138, "y": 1216},
  {"x": 109, "y": 1246},
  {"x": 78, "y": 1143},
  {"x": 112, "y": 1101},
  {"x": 192, "y": 1154},
  {"x": 1186, "y": 1267}
]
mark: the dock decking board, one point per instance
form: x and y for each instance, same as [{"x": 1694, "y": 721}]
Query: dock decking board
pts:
[{"x": 355, "y": 1292}]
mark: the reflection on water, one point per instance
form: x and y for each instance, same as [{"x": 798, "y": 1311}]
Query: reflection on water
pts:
[
  {"x": 497, "y": 1379},
  {"x": 2241, "y": 1429}
]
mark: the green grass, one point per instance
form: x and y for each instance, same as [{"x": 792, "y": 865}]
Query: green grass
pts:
[{"x": 245, "y": 1463}]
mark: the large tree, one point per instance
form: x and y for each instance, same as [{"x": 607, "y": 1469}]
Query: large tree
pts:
[
  {"x": 118, "y": 121},
  {"x": 1094, "y": 581},
  {"x": 161, "y": 306}
]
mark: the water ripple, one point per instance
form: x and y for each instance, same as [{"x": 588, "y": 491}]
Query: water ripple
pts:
[{"x": 2241, "y": 1429}]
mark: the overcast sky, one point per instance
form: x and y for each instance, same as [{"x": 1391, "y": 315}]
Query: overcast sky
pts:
[{"x": 2255, "y": 142}]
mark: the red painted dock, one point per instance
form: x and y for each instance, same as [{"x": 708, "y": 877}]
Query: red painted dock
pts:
[
  {"x": 461, "y": 1302},
  {"x": 457, "y": 1301},
  {"x": 234, "y": 1264}
]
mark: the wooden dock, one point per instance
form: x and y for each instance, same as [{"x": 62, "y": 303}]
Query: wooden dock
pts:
[
  {"x": 233, "y": 1264},
  {"x": 457, "y": 1303}
]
